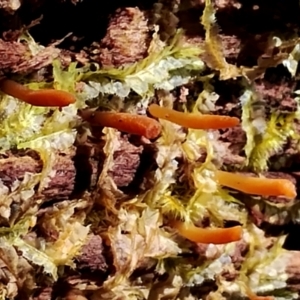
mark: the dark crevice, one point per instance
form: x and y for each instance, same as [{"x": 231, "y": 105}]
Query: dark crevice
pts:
[
  {"x": 86, "y": 20},
  {"x": 292, "y": 241},
  {"x": 147, "y": 164}
]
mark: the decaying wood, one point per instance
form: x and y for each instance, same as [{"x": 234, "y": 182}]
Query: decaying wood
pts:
[
  {"x": 76, "y": 169},
  {"x": 293, "y": 271},
  {"x": 127, "y": 38},
  {"x": 16, "y": 57},
  {"x": 11, "y": 54},
  {"x": 15, "y": 164}
]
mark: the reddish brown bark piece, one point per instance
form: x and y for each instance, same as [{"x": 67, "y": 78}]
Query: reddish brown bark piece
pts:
[
  {"x": 126, "y": 162},
  {"x": 234, "y": 141},
  {"x": 126, "y": 40},
  {"x": 293, "y": 270},
  {"x": 16, "y": 58},
  {"x": 11, "y": 54},
  {"x": 279, "y": 96},
  {"x": 89, "y": 161},
  {"x": 43, "y": 294},
  {"x": 62, "y": 184},
  {"x": 91, "y": 256},
  {"x": 14, "y": 165}
]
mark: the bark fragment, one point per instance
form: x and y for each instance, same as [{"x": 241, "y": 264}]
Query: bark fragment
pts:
[
  {"x": 43, "y": 294},
  {"x": 16, "y": 57},
  {"x": 235, "y": 140},
  {"x": 91, "y": 256},
  {"x": 126, "y": 162},
  {"x": 11, "y": 54},
  {"x": 126, "y": 40},
  {"x": 15, "y": 164},
  {"x": 62, "y": 184},
  {"x": 278, "y": 96},
  {"x": 293, "y": 271}
]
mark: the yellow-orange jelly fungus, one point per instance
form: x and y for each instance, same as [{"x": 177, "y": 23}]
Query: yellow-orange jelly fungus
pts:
[
  {"x": 192, "y": 120},
  {"x": 208, "y": 235},
  {"x": 43, "y": 97},
  {"x": 257, "y": 186}
]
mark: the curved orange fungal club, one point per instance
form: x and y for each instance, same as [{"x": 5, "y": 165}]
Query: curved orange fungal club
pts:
[
  {"x": 129, "y": 123},
  {"x": 256, "y": 185},
  {"x": 208, "y": 235},
  {"x": 43, "y": 97},
  {"x": 192, "y": 120},
  {"x": 255, "y": 297}
]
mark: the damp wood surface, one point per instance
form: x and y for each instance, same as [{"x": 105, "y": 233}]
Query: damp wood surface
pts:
[{"x": 104, "y": 172}]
